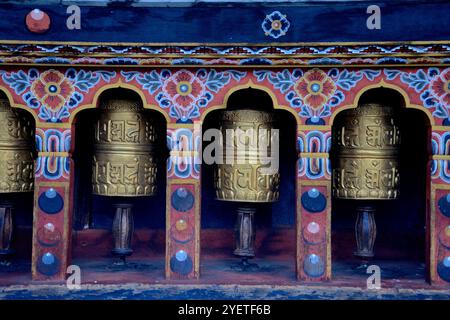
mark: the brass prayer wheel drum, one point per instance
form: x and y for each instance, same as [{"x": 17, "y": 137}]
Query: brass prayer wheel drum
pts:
[
  {"x": 244, "y": 175},
  {"x": 16, "y": 150},
  {"x": 124, "y": 162},
  {"x": 366, "y": 157}
]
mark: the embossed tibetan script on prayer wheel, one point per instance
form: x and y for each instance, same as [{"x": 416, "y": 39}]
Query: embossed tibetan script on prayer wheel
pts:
[
  {"x": 247, "y": 175},
  {"x": 16, "y": 166},
  {"x": 366, "y": 143},
  {"x": 367, "y": 154},
  {"x": 124, "y": 157},
  {"x": 124, "y": 163}
]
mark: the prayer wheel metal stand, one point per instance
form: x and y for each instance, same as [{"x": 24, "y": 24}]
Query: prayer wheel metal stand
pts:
[
  {"x": 365, "y": 232},
  {"x": 6, "y": 232},
  {"x": 124, "y": 164},
  {"x": 366, "y": 166},
  {"x": 245, "y": 234},
  {"x": 243, "y": 179},
  {"x": 123, "y": 228}
]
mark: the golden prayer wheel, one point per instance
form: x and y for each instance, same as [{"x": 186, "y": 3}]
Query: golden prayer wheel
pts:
[
  {"x": 247, "y": 174},
  {"x": 366, "y": 142},
  {"x": 244, "y": 176},
  {"x": 124, "y": 151},
  {"x": 367, "y": 154},
  {"x": 124, "y": 162},
  {"x": 16, "y": 166}
]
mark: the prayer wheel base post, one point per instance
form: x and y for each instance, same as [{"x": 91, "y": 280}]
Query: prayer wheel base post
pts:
[
  {"x": 245, "y": 237},
  {"x": 6, "y": 232},
  {"x": 365, "y": 232},
  {"x": 123, "y": 228}
]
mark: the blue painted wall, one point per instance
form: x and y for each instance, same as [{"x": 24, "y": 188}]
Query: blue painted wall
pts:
[{"x": 318, "y": 22}]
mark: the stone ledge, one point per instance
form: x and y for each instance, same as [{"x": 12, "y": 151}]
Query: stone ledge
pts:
[{"x": 213, "y": 292}]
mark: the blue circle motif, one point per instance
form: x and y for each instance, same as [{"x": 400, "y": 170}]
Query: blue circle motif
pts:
[
  {"x": 48, "y": 258},
  {"x": 314, "y": 201},
  {"x": 443, "y": 269},
  {"x": 315, "y": 87},
  {"x": 446, "y": 262},
  {"x": 182, "y": 192},
  {"x": 48, "y": 264},
  {"x": 52, "y": 88},
  {"x": 314, "y": 258},
  {"x": 313, "y": 193},
  {"x": 184, "y": 120},
  {"x": 184, "y": 88},
  {"x": 315, "y": 120},
  {"x": 182, "y": 200},
  {"x": 51, "y": 201},
  {"x": 181, "y": 255},
  {"x": 444, "y": 205},
  {"x": 181, "y": 267},
  {"x": 50, "y": 193},
  {"x": 314, "y": 266}
]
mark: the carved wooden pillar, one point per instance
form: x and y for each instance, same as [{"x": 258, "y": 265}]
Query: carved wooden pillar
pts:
[
  {"x": 183, "y": 202},
  {"x": 438, "y": 220},
  {"x": 313, "y": 207},
  {"x": 52, "y": 223}
]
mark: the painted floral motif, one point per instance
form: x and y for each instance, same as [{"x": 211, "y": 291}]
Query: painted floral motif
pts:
[
  {"x": 315, "y": 88},
  {"x": 315, "y": 92},
  {"x": 183, "y": 92},
  {"x": 275, "y": 25},
  {"x": 433, "y": 86},
  {"x": 440, "y": 87},
  {"x": 54, "y": 93},
  {"x": 183, "y": 88},
  {"x": 312, "y": 93},
  {"x": 52, "y": 89}
]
